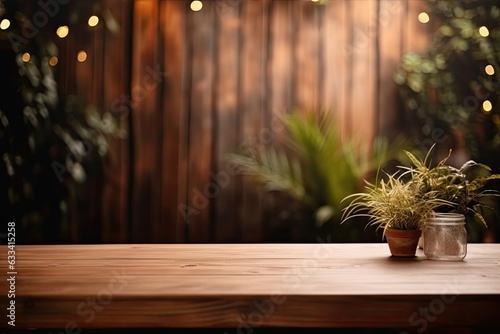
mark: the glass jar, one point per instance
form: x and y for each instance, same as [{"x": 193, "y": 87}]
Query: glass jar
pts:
[{"x": 445, "y": 237}]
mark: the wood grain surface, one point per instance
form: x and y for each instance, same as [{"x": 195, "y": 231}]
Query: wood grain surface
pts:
[{"x": 252, "y": 285}]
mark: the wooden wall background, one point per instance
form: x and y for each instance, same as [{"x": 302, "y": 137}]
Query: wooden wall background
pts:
[{"x": 230, "y": 70}]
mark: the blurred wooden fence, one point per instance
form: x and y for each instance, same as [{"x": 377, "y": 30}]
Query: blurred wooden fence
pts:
[{"x": 203, "y": 83}]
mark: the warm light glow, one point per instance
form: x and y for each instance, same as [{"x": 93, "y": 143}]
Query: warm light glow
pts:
[
  {"x": 489, "y": 70},
  {"x": 196, "y": 5},
  {"x": 53, "y": 61},
  {"x": 487, "y": 106},
  {"x": 423, "y": 17},
  {"x": 314, "y": 0},
  {"x": 483, "y": 31},
  {"x": 93, "y": 21},
  {"x": 4, "y": 24},
  {"x": 26, "y": 57},
  {"x": 496, "y": 119},
  {"x": 62, "y": 31},
  {"x": 82, "y": 56}
]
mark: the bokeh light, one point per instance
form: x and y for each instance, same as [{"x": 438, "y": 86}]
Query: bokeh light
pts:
[
  {"x": 489, "y": 70},
  {"x": 5, "y": 24},
  {"x": 483, "y": 31},
  {"x": 423, "y": 17},
  {"x": 53, "y": 61},
  {"x": 487, "y": 106},
  {"x": 62, "y": 31},
  {"x": 82, "y": 56},
  {"x": 196, "y": 5},
  {"x": 93, "y": 21},
  {"x": 26, "y": 57}
]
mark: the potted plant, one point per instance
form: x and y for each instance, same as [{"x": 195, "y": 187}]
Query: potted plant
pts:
[
  {"x": 397, "y": 207},
  {"x": 452, "y": 185}
]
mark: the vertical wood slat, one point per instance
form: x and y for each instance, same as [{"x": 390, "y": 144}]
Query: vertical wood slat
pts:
[
  {"x": 86, "y": 206},
  {"x": 363, "y": 67},
  {"x": 337, "y": 53},
  {"x": 306, "y": 57},
  {"x": 251, "y": 101},
  {"x": 226, "y": 107},
  {"x": 145, "y": 112},
  {"x": 172, "y": 20},
  {"x": 390, "y": 55},
  {"x": 280, "y": 93},
  {"x": 115, "y": 87},
  {"x": 417, "y": 34},
  {"x": 280, "y": 67},
  {"x": 200, "y": 190}
]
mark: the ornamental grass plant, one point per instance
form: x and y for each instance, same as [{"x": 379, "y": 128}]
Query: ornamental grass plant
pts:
[{"x": 393, "y": 204}]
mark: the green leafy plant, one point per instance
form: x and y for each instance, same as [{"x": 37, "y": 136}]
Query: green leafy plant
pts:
[
  {"x": 452, "y": 184},
  {"x": 318, "y": 167},
  {"x": 393, "y": 204},
  {"x": 445, "y": 87},
  {"x": 51, "y": 143},
  {"x": 412, "y": 194}
]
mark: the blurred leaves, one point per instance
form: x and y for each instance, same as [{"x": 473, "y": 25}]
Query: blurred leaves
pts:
[
  {"x": 446, "y": 86},
  {"x": 49, "y": 144},
  {"x": 319, "y": 167}
]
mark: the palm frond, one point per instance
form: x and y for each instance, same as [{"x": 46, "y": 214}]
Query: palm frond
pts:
[{"x": 274, "y": 170}]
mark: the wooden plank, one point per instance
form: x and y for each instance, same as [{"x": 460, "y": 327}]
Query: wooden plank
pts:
[
  {"x": 417, "y": 34},
  {"x": 280, "y": 96},
  {"x": 307, "y": 56},
  {"x": 85, "y": 224},
  {"x": 250, "y": 106},
  {"x": 115, "y": 87},
  {"x": 281, "y": 68},
  {"x": 146, "y": 115},
  {"x": 226, "y": 134},
  {"x": 200, "y": 189},
  {"x": 390, "y": 30},
  {"x": 286, "y": 311},
  {"x": 362, "y": 108},
  {"x": 337, "y": 54},
  {"x": 173, "y": 21},
  {"x": 306, "y": 285}
]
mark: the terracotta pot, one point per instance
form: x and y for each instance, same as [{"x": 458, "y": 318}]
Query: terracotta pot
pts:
[{"x": 403, "y": 243}]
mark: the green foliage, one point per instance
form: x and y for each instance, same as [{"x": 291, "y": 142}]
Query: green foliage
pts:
[
  {"x": 412, "y": 194},
  {"x": 446, "y": 86},
  {"x": 320, "y": 167},
  {"x": 50, "y": 143},
  {"x": 452, "y": 184},
  {"x": 393, "y": 204}
]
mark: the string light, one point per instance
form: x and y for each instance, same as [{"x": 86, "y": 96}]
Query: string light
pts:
[
  {"x": 489, "y": 70},
  {"x": 53, "y": 61},
  {"x": 93, "y": 21},
  {"x": 196, "y": 5},
  {"x": 487, "y": 106},
  {"x": 82, "y": 56},
  {"x": 62, "y": 31},
  {"x": 5, "y": 24},
  {"x": 26, "y": 57},
  {"x": 423, "y": 17},
  {"x": 483, "y": 31}
]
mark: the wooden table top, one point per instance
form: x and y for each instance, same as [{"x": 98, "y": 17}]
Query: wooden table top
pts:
[{"x": 252, "y": 285}]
